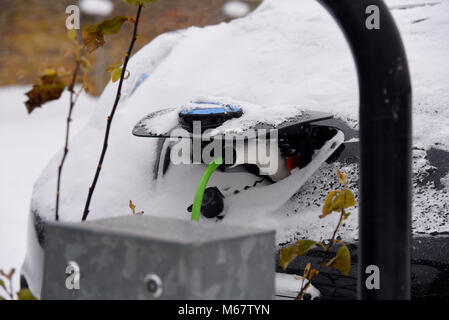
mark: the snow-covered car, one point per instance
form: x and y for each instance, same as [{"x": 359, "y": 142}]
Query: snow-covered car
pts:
[{"x": 285, "y": 57}]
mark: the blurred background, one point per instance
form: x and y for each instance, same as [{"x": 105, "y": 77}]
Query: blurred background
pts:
[{"x": 33, "y": 32}]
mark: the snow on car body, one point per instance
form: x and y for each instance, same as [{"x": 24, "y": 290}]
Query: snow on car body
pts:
[{"x": 286, "y": 54}]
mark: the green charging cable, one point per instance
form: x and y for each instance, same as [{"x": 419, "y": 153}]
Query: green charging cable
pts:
[{"x": 198, "y": 200}]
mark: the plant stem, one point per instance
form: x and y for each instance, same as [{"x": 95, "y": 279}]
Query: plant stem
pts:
[
  {"x": 111, "y": 117},
  {"x": 9, "y": 276},
  {"x": 67, "y": 134},
  {"x": 11, "y": 291},
  {"x": 323, "y": 260}
]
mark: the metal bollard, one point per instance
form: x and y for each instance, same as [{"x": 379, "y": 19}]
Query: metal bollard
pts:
[{"x": 385, "y": 145}]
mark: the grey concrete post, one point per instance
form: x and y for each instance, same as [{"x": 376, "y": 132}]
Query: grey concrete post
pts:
[{"x": 142, "y": 257}]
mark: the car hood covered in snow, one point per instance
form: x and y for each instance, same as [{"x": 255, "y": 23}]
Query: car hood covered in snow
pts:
[{"x": 286, "y": 52}]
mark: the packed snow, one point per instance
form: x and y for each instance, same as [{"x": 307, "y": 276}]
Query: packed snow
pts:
[
  {"x": 285, "y": 52},
  {"x": 288, "y": 285},
  {"x": 252, "y": 114},
  {"x": 101, "y": 8},
  {"x": 236, "y": 9},
  {"x": 27, "y": 143}
]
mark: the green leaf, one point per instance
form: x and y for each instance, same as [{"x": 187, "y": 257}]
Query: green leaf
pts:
[
  {"x": 115, "y": 66},
  {"x": 299, "y": 248},
  {"x": 25, "y": 294},
  {"x": 116, "y": 74},
  {"x": 93, "y": 36},
  {"x": 139, "y": 2},
  {"x": 49, "y": 87},
  {"x": 2, "y": 284},
  {"x": 72, "y": 34},
  {"x": 342, "y": 261}
]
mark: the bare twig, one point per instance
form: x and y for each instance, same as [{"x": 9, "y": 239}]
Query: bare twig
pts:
[
  {"x": 111, "y": 117},
  {"x": 11, "y": 291},
  {"x": 9, "y": 276},
  {"x": 67, "y": 133}
]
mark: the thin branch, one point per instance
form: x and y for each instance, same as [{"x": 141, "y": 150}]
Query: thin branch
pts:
[
  {"x": 8, "y": 292},
  {"x": 9, "y": 276},
  {"x": 78, "y": 93},
  {"x": 67, "y": 134},
  {"x": 111, "y": 117},
  {"x": 11, "y": 291}
]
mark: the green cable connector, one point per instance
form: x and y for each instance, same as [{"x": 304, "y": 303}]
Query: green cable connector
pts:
[{"x": 198, "y": 200}]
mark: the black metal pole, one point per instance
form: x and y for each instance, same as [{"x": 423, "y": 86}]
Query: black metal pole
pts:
[{"x": 385, "y": 147}]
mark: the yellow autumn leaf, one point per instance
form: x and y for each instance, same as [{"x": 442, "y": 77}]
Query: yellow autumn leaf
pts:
[
  {"x": 344, "y": 200},
  {"x": 132, "y": 207},
  {"x": 116, "y": 74},
  {"x": 338, "y": 200},
  {"x": 327, "y": 207},
  {"x": 299, "y": 248},
  {"x": 72, "y": 34},
  {"x": 25, "y": 294},
  {"x": 312, "y": 274},
  {"x": 342, "y": 261},
  {"x": 114, "y": 66},
  {"x": 342, "y": 177}
]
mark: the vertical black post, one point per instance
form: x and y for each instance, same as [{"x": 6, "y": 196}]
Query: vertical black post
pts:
[{"x": 385, "y": 146}]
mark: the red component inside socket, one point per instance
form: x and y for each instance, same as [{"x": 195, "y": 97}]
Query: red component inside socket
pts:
[{"x": 293, "y": 162}]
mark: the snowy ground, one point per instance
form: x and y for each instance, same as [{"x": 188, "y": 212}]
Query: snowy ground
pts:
[
  {"x": 286, "y": 52},
  {"x": 27, "y": 143}
]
